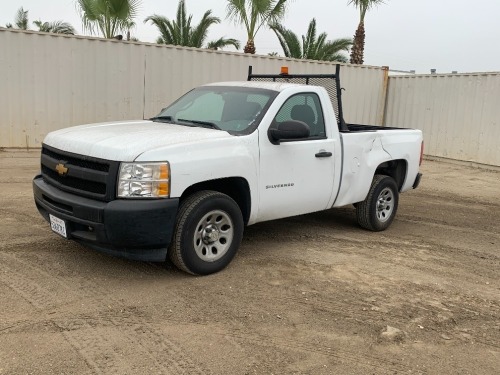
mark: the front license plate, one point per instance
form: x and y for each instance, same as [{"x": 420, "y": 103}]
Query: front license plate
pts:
[{"x": 58, "y": 225}]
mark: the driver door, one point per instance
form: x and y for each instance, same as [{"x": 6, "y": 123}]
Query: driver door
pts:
[{"x": 296, "y": 176}]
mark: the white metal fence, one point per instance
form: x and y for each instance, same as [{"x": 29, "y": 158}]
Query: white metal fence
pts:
[
  {"x": 458, "y": 113},
  {"x": 50, "y": 81}
]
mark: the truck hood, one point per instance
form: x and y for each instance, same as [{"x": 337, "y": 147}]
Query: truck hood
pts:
[{"x": 125, "y": 141}]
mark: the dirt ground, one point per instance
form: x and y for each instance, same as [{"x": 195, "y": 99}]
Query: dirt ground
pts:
[{"x": 313, "y": 294}]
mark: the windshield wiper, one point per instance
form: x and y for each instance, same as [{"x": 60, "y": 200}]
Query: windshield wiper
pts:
[
  {"x": 205, "y": 124},
  {"x": 162, "y": 118}
]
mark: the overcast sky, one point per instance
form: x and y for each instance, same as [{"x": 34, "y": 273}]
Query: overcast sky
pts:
[{"x": 402, "y": 34}]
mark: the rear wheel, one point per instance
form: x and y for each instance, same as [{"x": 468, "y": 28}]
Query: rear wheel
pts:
[
  {"x": 208, "y": 233},
  {"x": 378, "y": 210}
]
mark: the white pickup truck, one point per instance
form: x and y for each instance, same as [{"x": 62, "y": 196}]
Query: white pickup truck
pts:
[{"x": 182, "y": 185}]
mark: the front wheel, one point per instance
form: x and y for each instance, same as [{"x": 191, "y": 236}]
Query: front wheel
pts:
[
  {"x": 378, "y": 210},
  {"x": 208, "y": 233}
]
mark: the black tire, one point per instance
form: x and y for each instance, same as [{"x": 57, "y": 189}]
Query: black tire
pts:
[
  {"x": 207, "y": 233},
  {"x": 378, "y": 210}
]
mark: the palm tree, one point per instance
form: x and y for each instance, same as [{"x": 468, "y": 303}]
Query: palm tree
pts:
[
  {"x": 57, "y": 27},
  {"x": 109, "y": 17},
  {"x": 254, "y": 14},
  {"x": 21, "y": 20},
  {"x": 129, "y": 26},
  {"x": 311, "y": 48},
  {"x": 181, "y": 33},
  {"x": 358, "y": 48}
]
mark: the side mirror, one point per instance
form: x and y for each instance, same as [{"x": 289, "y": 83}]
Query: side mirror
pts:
[{"x": 288, "y": 130}]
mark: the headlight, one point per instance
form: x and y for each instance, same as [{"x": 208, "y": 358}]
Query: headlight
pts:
[{"x": 144, "y": 180}]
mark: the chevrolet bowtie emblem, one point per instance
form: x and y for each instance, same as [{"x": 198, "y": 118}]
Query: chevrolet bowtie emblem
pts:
[{"x": 61, "y": 169}]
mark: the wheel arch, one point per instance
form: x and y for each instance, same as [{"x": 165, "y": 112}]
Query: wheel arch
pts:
[
  {"x": 235, "y": 187},
  {"x": 397, "y": 169}
]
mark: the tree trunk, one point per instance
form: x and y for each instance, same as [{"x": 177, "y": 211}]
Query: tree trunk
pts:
[
  {"x": 358, "y": 47},
  {"x": 249, "y": 47}
]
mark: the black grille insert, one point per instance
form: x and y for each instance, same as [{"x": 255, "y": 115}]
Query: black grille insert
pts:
[
  {"x": 74, "y": 183},
  {"x": 84, "y": 176},
  {"x": 76, "y": 161}
]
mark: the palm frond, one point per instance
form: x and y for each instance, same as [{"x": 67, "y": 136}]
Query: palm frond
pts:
[
  {"x": 312, "y": 47},
  {"x": 254, "y": 14},
  {"x": 42, "y": 26},
  {"x": 21, "y": 19},
  {"x": 364, "y": 6},
  {"x": 164, "y": 27},
  {"x": 57, "y": 27},
  {"x": 107, "y": 16},
  {"x": 61, "y": 27},
  {"x": 318, "y": 49},
  {"x": 87, "y": 14},
  {"x": 181, "y": 32},
  {"x": 342, "y": 44},
  {"x": 274, "y": 14},
  {"x": 288, "y": 40},
  {"x": 223, "y": 42},
  {"x": 338, "y": 57},
  {"x": 309, "y": 40},
  {"x": 237, "y": 12},
  {"x": 198, "y": 34}
]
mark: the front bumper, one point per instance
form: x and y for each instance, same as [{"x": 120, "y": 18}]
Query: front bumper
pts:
[{"x": 134, "y": 229}]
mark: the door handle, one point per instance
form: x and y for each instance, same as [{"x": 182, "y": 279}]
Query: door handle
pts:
[{"x": 323, "y": 154}]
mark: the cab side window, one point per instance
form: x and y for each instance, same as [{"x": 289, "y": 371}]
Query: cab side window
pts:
[{"x": 304, "y": 107}]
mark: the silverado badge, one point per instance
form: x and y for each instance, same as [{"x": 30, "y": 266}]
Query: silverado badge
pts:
[{"x": 61, "y": 169}]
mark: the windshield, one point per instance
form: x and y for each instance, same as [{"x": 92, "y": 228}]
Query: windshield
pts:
[{"x": 237, "y": 110}]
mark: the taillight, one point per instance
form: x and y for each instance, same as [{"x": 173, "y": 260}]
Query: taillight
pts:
[{"x": 421, "y": 153}]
